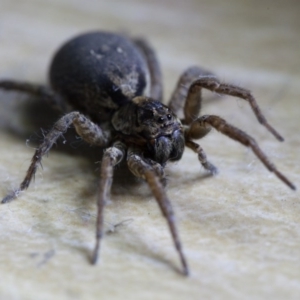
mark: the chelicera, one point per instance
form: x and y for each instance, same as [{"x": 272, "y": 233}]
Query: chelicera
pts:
[{"x": 110, "y": 88}]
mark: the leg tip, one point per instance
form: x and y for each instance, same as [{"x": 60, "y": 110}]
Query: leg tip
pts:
[
  {"x": 8, "y": 198},
  {"x": 95, "y": 255},
  {"x": 94, "y": 259},
  {"x": 186, "y": 272}
]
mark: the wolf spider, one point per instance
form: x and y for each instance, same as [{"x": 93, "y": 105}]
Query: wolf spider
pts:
[{"x": 100, "y": 79}]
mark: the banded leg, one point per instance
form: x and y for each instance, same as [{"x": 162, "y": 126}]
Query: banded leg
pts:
[
  {"x": 140, "y": 168},
  {"x": 89, "y": 131},
  {"x": 112, "y": 156},
  {"x": 202, "y": 157},
  {"x": 240, "y": 136},
  {"x": 44, "y": 92},
  {"x": 156, "y": 90}
]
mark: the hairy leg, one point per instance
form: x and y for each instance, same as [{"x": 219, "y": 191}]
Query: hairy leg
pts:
[
  {"x": 213, "y": 84},
  {"x": 112, "y": 156},
  {"x": 180, "y": 101},
  {"x": 187, "y": 96},
  {"x": 140, "y": 168},
  {"x": 234, "y": 133},
  {"x": 41, "y": 91},
  {"x": 136, "y": 163},
  {"x": 89, "y": 131},
  {"x": 156, "y": 90},
  {"x": 202, "y": 157}
]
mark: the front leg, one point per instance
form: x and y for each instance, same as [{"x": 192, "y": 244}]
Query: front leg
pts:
[
  {"x": 140, "y": 168},
  {"x": 89, "y": 131},
  {"x": 136, "y": 164},
  {"x": 111, "y": 157}
]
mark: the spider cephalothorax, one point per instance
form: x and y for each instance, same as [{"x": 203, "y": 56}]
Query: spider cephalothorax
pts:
[
  {"x": 113, "y": 84},
  {"x": 150, "y": 124}
]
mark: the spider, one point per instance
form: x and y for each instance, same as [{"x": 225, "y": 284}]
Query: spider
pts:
[{"x": 110, "y": 88}]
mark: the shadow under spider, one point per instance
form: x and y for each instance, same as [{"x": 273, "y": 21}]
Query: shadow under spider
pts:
[{"x": 29, "y": 119}]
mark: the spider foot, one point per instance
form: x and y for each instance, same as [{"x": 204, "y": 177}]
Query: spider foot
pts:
[
  {"x": 213, "y": 170},
  {"x": 94, "y": 257},
  {"x": 9, "y": 197}
]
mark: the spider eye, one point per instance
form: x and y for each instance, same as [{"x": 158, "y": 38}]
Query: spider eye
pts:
[{"x": 169, "y": 116}]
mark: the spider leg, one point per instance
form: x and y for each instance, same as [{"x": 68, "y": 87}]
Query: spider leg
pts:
[
  {"x": 189, "y": 88},
  {"x": 112, "y": 156},
  {"x": 41, "y": 91},
  {"x": 240, "y": 136},
  {"x": 136, "y": 161},
  {"x": 202, "y": 157},
  {"x": 156, "y": 89},
  {"x": 140, "y": 168},
  {"x": 180, "y": 100},
  {"x": 89, "y": 131},
  {"x": 213, "y": 84}
]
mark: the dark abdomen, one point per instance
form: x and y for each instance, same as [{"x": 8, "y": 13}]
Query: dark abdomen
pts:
[{"x": 98, "y": 72}]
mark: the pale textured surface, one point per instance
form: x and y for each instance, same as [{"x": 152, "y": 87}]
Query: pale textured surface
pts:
[{"x": 240, "y": 230}]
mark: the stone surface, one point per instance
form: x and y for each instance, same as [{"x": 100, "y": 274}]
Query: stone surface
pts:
[{"x": 240, "y": 230}]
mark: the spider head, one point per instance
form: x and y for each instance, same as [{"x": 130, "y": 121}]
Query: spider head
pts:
[
  {"x": 153, "y": 124},
  {"x": 154, "y": 119},
  {"x": 145, "y": 117},
  {"x": 161, "y": 127}
]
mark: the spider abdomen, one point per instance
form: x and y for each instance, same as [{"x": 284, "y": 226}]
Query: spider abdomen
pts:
[{"x": 99, "y": 71}]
